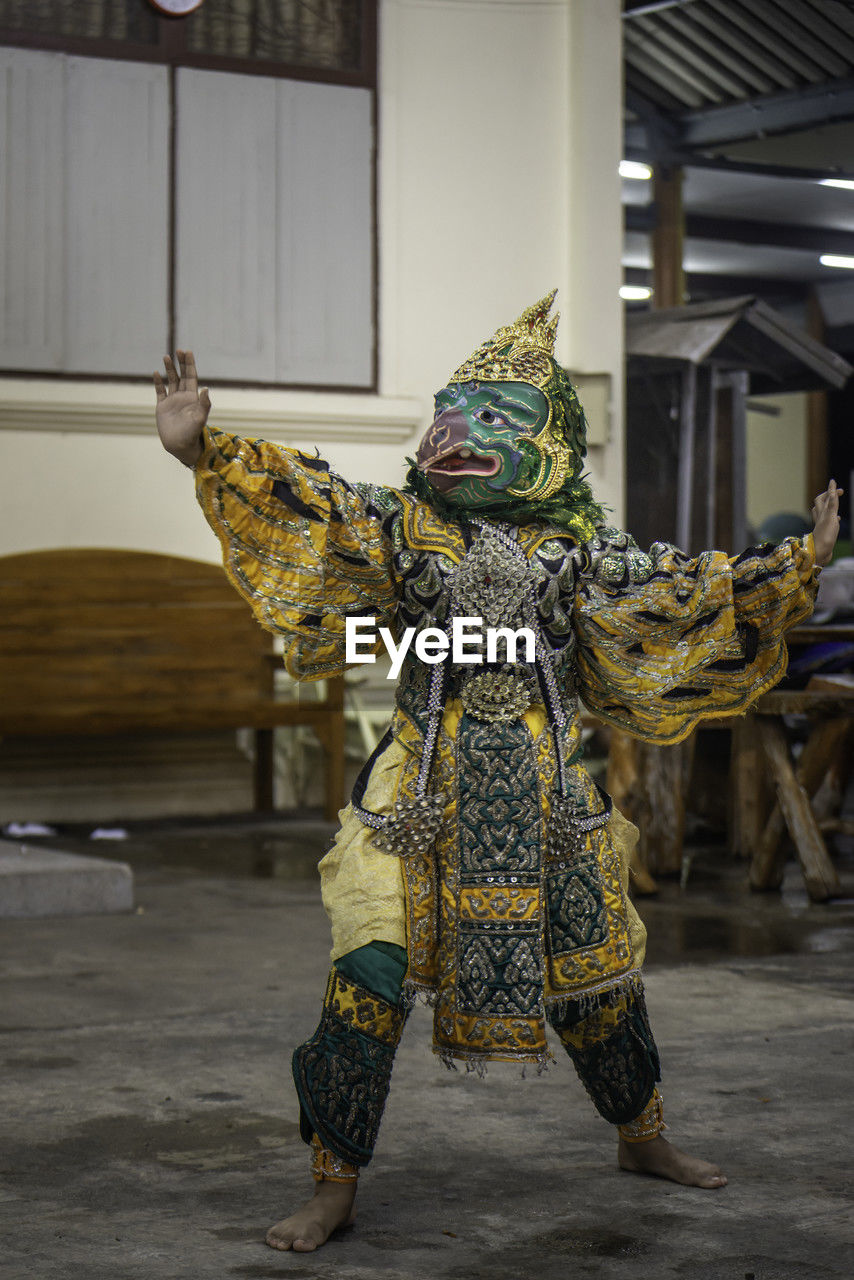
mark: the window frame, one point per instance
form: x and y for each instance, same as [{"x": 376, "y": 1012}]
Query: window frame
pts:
[{"x": 172, "y": 52}]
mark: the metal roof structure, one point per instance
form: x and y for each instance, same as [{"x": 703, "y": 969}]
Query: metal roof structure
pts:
[
  {"x": 754, "y": 100},
  {"x": 719, "y": 71}
]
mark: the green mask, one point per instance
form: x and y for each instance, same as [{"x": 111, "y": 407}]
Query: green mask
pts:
[
  {"x": 471, "y": 452},
  {"x": 508, "y": 440}
]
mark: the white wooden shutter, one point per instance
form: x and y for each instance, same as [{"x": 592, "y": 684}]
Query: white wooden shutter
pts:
[
  {"x": 83, "y": 213},
  {"x": 274, "y": 233},
  {"x": 117, "y": 216},
  {"x": 324, "y": 234},
  {"x": 226, "y": 223},
  {"x": 32, "y": 168},
  {"x": 273, "y": 209}
]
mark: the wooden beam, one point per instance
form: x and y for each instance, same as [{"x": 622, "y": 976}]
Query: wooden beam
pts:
[
  {"x": 668, "y": 239},
  {"x": 817, "y": 464},
  {"x": 747, "y": 231}
]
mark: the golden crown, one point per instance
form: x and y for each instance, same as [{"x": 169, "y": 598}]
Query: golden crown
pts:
[
  {"x": 524, "y": 352},
  {"x": 520, "y": 352}
]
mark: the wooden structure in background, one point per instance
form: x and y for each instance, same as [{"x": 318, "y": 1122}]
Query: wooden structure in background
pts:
[
  {"x": 118, "y": 642},
  {"x": 690, "y": 371},
  {"x": 772, "y": 794},
  {"x": 824, "y": 761}
]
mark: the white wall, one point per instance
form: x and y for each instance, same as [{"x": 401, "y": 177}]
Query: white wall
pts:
[
  {"x": 776, "y": 457},
  {"x": 500, "y": 141},
  {"x": 499, "y": 138}
]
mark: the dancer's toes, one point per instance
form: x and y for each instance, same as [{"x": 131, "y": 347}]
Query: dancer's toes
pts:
[
  {"x": 661, "y": 1159},
  {"x": 303, "y": 1245},
  {"x": 330, "y": 1207},
  {"x": 298, "y": 1233}
]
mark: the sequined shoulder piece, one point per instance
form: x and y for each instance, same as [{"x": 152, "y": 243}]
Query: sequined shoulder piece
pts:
[
  {"x": 552, "y": 542},
  {"x": 424, "y": 530},
  {"x": 380, "y": 500},
  {"x": 613, "y": 558}
]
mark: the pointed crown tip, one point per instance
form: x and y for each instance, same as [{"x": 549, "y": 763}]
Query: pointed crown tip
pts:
[{"x": 519, "y": 352}]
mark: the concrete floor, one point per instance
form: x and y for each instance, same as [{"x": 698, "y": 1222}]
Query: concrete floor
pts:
[{"x": 149, "y": 1123}]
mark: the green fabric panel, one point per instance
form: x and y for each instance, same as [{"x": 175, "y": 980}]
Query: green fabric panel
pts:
[{"x": 380, "y": 966}]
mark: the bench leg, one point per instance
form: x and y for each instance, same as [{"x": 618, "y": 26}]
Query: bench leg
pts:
[
  {"x": 751, "y": 798},
  {"x": 332, "y": 740},
  {"x": 263, "y": 769},
  {"x": 623, "y": 786},
  {"x": 663, "y": 777}
]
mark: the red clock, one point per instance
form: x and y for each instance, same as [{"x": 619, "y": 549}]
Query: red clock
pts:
[{"x": 176, "y": 8}]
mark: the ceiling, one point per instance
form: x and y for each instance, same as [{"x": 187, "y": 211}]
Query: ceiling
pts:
[{"x": 754, "y": 101}]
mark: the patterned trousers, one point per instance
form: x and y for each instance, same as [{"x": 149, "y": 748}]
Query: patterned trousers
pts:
[{"x": 342, "y": 1074}]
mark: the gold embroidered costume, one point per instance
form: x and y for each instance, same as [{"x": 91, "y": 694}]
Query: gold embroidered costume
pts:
[
  {"x": 477, "y": 840},
  {"x": 650, "y": 642}
]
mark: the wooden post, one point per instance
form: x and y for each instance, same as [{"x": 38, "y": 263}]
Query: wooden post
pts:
[
  {"x": 738, "y": 462},
  {"x": 722, "y": 477},
  {"x": 711, "y": 457},
  {"x": 622, "y": 777},
  {"x": 663, "y": 773},
  {"x": 668, "y": 238},
  {"x": 817, "y": 473},
  {"x": 623, "y": 785},
  {"x": 685, "y": 484}
]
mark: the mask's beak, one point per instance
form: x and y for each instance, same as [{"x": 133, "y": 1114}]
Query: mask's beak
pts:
[{"x": 447, "y": 452}]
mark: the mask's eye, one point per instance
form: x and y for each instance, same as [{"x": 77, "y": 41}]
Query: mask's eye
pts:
[{"x": 486, "y": 416}]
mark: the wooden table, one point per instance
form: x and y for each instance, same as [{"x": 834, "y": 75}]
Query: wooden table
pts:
[
  {"x": 762, "y": 761},
  {"x": 770, "y": 791}
]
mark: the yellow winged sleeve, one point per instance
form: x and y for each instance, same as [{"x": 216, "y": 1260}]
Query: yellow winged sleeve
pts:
[
  {"x": 302, "y": 546},
  {"x": 665, "y": 641}
]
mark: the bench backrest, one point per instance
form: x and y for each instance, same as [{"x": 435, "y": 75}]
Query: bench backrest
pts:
[{"x": 95, "y": 641}]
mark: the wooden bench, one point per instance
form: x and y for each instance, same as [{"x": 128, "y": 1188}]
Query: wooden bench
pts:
[{"x": 118, "y": 642}]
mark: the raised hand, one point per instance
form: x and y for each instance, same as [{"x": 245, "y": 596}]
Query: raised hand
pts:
[
  {"x": 825, "y": 517},
  {"x": 182, "y": 409}
]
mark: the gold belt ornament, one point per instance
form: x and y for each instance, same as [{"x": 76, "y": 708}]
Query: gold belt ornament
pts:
[{"x": 493, "y": 696}]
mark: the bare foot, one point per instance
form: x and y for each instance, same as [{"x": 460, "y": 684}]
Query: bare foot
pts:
[
  {"x": 661, "y": 1158},
  {"x": 330, "y": 1207}
]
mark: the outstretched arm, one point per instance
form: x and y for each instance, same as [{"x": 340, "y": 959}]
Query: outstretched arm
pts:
[
  {"x": 664, "y": 640},
  {"x": 182, "y": 410},
  {"x": 825, "y": 517},
  {"x": 301, "y": 545}
]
